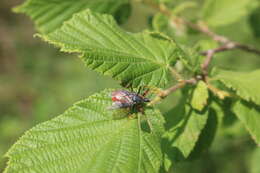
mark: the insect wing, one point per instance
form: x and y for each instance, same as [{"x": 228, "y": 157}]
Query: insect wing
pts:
[{"x": 122, "y": 96}]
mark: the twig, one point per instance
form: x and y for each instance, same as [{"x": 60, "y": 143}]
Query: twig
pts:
[
  {"x": 247, "y": 48},
  {"x": 221, "y": 39},
  {"x": 220, "y": 93},
  {"x": 164, "y": 93},
  {"x": 225, "y": 45},
  {"x": 202, "y": 28},
  {"x": 222, "y": 48},
  {"x": 205, "y": 65},
  {"x": 176, "y": 74},
  {"x": 170, "y": 90},
  {"x": 210, "y": 53}
]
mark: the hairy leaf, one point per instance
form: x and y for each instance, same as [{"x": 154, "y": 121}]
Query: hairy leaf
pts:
[
  {"x": 136, "y": 59},
  {"x": 245, "y": 84},
  {"x": 200, "y": 96},
  {"x": 50, "y": 14},
  {"x": 87, "y": 138},
  {"x": 223, "y": 12},
  {"x": 249, "y": 115}
]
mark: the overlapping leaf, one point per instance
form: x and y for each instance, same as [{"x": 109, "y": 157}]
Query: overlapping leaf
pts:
[
  {"x": 50, "y": 14},
  {"x": 143, "y": 58},
  {"x": 87, "y": 138},
  {"x": 187, "y": 124},
  {"x": 254, "y": 161},
  {"x": 246, "y": 84},
  {"x": 206, "y": 136},
  {"x": 200, "y": 96},
  {"x": 249, "y": 115},
  {"x": 187, "y": 132},
  {"x": 254, "y": 22},
  {"x": 223, "y": 12}
]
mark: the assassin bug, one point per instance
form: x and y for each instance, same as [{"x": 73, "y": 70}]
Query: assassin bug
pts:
[{"x": 123, "y": 99}]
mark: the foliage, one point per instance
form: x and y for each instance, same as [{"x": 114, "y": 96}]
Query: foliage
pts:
[
  {"x": 113, "y": 52},
  {"x": 88, "y": 133},
  {"x": 89, "y": 137},
  {"x": 49, "y": 15},
  {"x": 215, "y": 11}
]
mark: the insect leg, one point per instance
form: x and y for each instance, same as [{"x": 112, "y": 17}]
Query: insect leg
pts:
[
  {"x": 146, "y": 92},
  {"x": 139, "y": 90}
]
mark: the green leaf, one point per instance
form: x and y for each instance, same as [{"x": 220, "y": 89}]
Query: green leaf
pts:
[
  {"x": 255, "y": 22},
  {"x": 49, "y": 15},
  {"x": 223, "y": 109},
  {"x": 254, "y": 161},
  {"x": 136, "y": 59},
  {"x": 185, "y": 132},
  {"x": 183, "y": 6},
  {"x": 245, "y": 84},
  {"x": 249, "y": 115},
  {"x": 87, "y": 138},
  {"x": 223, "y": 12},
  {"x": 200, "y": 96},
  {"x": 160, "y": 23},
  {"x": 207, "y": 135}
]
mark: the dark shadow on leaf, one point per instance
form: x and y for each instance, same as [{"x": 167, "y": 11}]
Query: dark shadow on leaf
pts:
[
  {"x": 123, "y": 13},
  {"x": 173, "y": 153},
  {"x": 229, "y": 117},
  {"x": 251, "y": 105},
  {"x": 145, "y": 126},
  {"x": 206, "y": 137},
  {"x": 175, "y": 115},
  {"x": 254, "y": 22}
]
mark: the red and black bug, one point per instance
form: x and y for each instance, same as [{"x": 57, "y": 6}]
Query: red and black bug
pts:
[
  {"x": 134, "y": 102},
  {"x": 127, "y": 99}
]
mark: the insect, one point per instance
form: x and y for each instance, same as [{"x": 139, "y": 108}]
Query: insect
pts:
[
  {"x": 127, "y": 99},
  {"x": 134, "y": 102}
]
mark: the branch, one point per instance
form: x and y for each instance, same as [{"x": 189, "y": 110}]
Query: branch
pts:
[
  {"x": 221, "y": 39},
  {"x": 164, "y": 93},
  {"x": 201, "y": 28},
  {"x": 170, "y": 90},
  {"x": 175, "y": 74},
  {"x": 226, "y": 45},
  {"x": 210, "y": 53}
]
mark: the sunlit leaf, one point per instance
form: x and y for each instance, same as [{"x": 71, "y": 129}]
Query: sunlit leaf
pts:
[
  {"x": 86, "y": 138},
  {"x": 185, "y": 131},
  {"x": 206, "y": 136},
  {"x": 143, "y": 58},
  {"x": 200, "y": 96},
  {"x": 249, "y": 114},
  {"x": 48, "y": 15},
  {"x": 246, "y": 84}
]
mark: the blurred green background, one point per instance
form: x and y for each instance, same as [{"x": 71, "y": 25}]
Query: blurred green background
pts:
[{"x": 37, "y": 82}]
